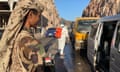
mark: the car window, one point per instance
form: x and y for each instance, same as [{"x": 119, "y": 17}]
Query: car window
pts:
[
  {"x": 1, "y": 32},
  {"x": 93, "y": 30},
  {"x": 117, "y": 37}
]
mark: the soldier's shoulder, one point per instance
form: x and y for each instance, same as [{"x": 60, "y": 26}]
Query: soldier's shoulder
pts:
[{"x": 24, "y": 35}]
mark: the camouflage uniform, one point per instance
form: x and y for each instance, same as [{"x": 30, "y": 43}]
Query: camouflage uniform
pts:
[
  {"x": 27, "y": 53},
  {"x": 19, "y": 51}
]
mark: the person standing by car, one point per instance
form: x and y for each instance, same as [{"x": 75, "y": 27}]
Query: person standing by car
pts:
[
  {"x": 63, "y": 40},
  {"x": 65, "y": 55},
  {"x": 19, "y": 50}
]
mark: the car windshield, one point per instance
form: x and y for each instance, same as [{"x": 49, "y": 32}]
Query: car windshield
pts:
[
  {"x": 51, "y": 29},
  {"x": 84, "y": 25}
]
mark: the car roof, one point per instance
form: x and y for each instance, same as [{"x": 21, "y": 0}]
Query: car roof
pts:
[
  {"x": 51, "y": 28},
  {"x": 109, "y": 18}
]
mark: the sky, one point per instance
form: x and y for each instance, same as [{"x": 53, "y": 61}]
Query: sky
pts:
[{"x": 70, "y": 9}]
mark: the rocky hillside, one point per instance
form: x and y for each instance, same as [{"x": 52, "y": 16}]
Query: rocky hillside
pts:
[
  {"x": 66, "y": 22},
  {"x": 99, "y": 8}
]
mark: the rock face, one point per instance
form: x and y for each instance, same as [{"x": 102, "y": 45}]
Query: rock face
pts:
[
  {"x": 100, "y": 8},
  {"x": 66, "y": 22}
]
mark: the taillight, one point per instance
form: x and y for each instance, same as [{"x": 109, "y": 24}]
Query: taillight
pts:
[{"x": 47, "y": 59}]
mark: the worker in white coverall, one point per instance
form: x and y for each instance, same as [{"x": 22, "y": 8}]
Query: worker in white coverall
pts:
[{"x": 63, "y": 40}]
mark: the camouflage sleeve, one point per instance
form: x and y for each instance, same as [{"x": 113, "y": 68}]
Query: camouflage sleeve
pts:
[{"x": 31, "y": 48}]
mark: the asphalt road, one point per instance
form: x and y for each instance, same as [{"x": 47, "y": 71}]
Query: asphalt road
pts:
[
  {"x": 72, "y": 61},
  {"x": 81, "y": 63}
]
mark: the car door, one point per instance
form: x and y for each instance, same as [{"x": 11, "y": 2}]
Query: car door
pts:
[
  {"x": 90, "y": 45},
  {"x": 93, "y": 40},
  {"x": 97, "y": 43},
  {"x": 115, "y": 51}
]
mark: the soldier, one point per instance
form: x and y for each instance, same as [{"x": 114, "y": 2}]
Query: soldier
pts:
[{"x": 19, "y": 50}]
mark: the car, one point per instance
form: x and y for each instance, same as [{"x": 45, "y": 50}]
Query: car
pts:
[
  {"x": 51, "y": 32},
  {"x": 1, "y": 32},
  {"x": 103, "y": 50}
]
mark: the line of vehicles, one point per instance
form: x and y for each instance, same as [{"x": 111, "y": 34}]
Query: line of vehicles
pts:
[{"x": 101, "y": 39}]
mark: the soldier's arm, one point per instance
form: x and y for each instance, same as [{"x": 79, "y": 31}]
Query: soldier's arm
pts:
[{"x": 31, "y": 48}]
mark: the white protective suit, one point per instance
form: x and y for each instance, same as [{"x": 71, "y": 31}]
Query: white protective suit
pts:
[{"x": 63, "y": 39}]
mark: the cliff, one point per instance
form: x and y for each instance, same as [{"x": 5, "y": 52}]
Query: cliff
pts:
[{"x": 100, "y": 8}]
